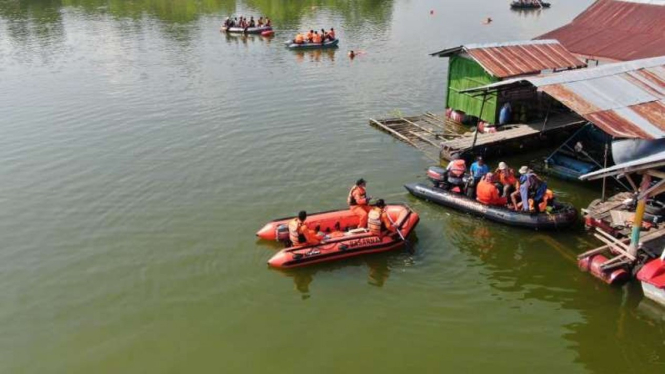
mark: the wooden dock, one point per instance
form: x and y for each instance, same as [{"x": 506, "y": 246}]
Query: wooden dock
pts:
[{"x": 443, "y": 139}]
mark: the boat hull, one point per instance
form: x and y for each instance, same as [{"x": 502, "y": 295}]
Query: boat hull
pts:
[
  {"x": 249, "y": 30},
  {"x": 565, "y": 216},
  {"x": 652, "y": 276},
  {"x": 327, "y": 44},
  {"x": 340, "y": 243}
]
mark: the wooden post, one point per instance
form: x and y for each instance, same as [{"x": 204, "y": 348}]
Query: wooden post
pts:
[
  {"x": 639, "y": 215},
  {"x": 482, "y": 106},
  {"x": 602, "y": 198}
]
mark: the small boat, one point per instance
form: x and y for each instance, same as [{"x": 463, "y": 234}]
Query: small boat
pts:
[
  {"x": 652, "y": 276},
  {"x": 567, "y": 168},
  {"x": 327, "y": 44},
  {"x": 249, "y": 30},
  {"x": 561, "y": 216},
  {"x": 530, "y": 5},
  {"x": 343, "y": 237}
]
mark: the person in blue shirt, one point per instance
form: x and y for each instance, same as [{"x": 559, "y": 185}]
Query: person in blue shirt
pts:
[{"x": 479, "y": 169}]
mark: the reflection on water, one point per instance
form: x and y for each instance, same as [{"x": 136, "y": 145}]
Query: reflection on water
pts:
[{"x": 315, "y": 55}]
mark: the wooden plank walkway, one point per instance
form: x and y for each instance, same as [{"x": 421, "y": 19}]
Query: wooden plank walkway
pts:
[
  {"x": 441, "y": 139},
  {"x": 510, "y": 133}
]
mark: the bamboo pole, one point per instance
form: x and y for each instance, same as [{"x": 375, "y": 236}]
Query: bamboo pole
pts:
[
  {"x": 480, "y": 115},
  {"x": 398, "y": 135},
  {"x": 639, "y": 215}
]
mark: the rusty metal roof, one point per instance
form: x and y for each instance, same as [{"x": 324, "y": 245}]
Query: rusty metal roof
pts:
[
  {"x": 619, "y": 30},
  {"x": 625, "y": 99},
  {"x": 505, "y": 60}
]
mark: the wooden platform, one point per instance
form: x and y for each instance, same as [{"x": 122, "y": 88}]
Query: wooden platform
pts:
[
  {"x": 425, "y": 132},
  {"x": 441, "y": 139},
  {"x": 515, "y": 134}
]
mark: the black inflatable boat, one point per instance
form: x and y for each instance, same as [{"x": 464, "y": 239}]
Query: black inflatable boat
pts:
[
  {"x": 561, "y": 216},
  {"x": 535, "y": 5}
]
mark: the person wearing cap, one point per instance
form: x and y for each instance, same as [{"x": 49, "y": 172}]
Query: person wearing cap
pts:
[
  {"x": 377, "y": 219},
  {"x": 478, "y": 169},
  {"x": 506, "y": 177},
  {"x": 300, "y": 234},
  {"x": 487, "y": 193},
  {"x": 359, "y": 202},
  {"x": 531, "y": 187}
]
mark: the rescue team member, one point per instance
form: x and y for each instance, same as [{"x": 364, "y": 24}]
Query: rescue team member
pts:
[
  {"x": 309, "y": 36},
  {"x": 506, "y": 177},
  {"x": 331, "y": 34},
  {"x": 359, "y": 202},
  {"x": 531, "y": 186},
  {"x": 300, "y": 234},
  {"x": 316, "y": 38},
  {"x": 487, "y": 193},
  {"x": 455, "y": 172},
  {"x": 377, "y": 219},
  {"x": 300, "y": 39}
]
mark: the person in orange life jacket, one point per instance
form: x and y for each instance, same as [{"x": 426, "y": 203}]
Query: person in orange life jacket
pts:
[
  {"x": 300, "y": 39},
  {"x": 309, "y": 36},
  {"x": 359, "y": 202},
  {"x": 487, "y": 193},
  {"x": 316, "y": 38},
  {"x": 300, "y": 234},
  {"x": 455, "y": 172},
  {"x": 377, "y": 219},
  {"x": 506, "y": 177}
]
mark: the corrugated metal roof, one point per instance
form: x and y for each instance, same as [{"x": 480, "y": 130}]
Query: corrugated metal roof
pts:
[
  {"x": 626, "y": 99},
  {"x": 650, "y": 162},
  {"x": 511, "y": 59},
  {"x": 619, "y": 30}
]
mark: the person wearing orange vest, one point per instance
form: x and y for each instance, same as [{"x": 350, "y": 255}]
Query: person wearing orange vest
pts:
[
  {"x": 506, "y": 177},
  {"x": 378, "y": 221},
  {"x": 359, "y": 202},
  {"x": 455, "y": 172},
  {"x": 300, "y": 39},
  {"x": 487, "y": 193},
  {"x": 316, "y": 38},
  {"x": 309, "y": 36},
  {"x": 300, "y": 234}
]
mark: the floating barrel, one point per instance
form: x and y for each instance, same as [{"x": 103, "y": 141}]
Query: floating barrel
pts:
[{"x": 592, "y": 265}]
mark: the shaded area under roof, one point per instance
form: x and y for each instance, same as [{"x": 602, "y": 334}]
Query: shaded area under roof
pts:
[
  {"x": 616, "y": 29},
  {"x": 650, "y": 162},
  {"x": 626, "y": 100},
  {"x": 504, "y": 60}
]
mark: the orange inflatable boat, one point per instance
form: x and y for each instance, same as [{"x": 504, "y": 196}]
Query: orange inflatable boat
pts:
[{"x": 343, "y": 237}]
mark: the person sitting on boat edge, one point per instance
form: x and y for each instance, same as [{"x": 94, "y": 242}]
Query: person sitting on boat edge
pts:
[
  {"x": 505, "y": 176},
  {"x": 252, "y": 23},
  {"x": 259, "y": 23},
  {"x": 300, "y": 234},
  {"x": 531, "y": 186},
  {"x": 268, "y": 22},
  {"x": 359, "y": 202},
  {"x": 487, "y": 193},
  {"x": 331, "y": 34},
  {"x": 309, "y": 36},
  {"x": 378, "y": 221},
  {"x": 299, "y": 39},
  {"x": 455, "y": 173}
]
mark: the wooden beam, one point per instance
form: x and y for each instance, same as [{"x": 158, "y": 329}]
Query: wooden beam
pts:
[
  {"x": 420, "y": 127},
  {"x": 614, "y": 246},
  {"x": 424, "y": 138}
]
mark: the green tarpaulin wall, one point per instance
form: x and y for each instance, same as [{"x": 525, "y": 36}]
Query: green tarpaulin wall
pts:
[{"x": 465, "y": 73}]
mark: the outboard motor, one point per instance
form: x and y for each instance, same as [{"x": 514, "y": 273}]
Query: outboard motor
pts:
[
  {"x": 437, "y": 175},
  {"x": 282, "y": 233}
]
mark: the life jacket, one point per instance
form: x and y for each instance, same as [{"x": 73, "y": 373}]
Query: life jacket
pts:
[
  {"x": 506, "y": 177},
  {"x": 295, "y": 232},
  {"x": 299, "y": 39},
  {"x": 351, "y": 200},
  {"x": 457, "y": 168},
  {"x": 309, "y": 36},
  {"x": 547, "y": 197},
  {"x": 374, "y": 223},
  {"x": 316, "y": 38},
  {"x": 486, "y": 192}
]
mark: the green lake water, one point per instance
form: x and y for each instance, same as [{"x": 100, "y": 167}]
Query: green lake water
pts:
[{"x": 141, "y": 150}]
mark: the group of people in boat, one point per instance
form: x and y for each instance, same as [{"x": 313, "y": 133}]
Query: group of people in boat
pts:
[
  {"x": 244, "y": 23},
  {"x": 524, "y": 190},
  {"x": 374, "y": 218},
  {"x": 313, "y": 36}
]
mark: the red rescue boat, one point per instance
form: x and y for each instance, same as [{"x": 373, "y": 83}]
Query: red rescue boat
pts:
[
  {"x": 652, "y": 276},
  {"x": 343, "y": 237}
]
